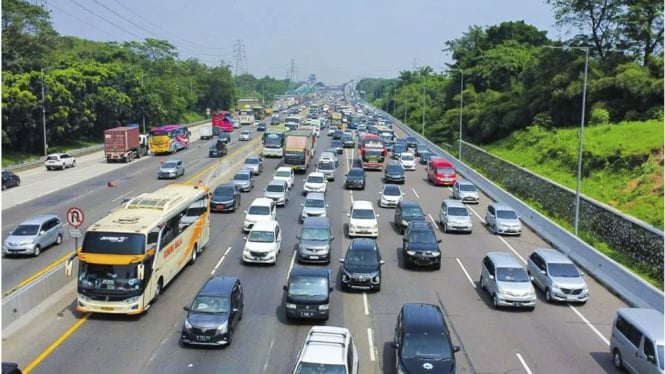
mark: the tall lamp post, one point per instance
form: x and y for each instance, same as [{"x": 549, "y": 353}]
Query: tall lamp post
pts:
[
  {"x": 42, "y": 70},
  {"x": 579, "y": 154},
  {"x": 423, "y": 130},
  {"x": 461, "y": 108}
]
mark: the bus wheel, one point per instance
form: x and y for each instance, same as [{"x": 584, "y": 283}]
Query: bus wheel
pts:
[
  {"x": 158, "y": 291},
  {"x": 195, "y": 252}
]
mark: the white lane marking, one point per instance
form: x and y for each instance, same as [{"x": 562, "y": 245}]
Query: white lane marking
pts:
[
  {"x": 477, "y": 215},
  {"x": 293, "y": 261},
  {"x": 365, "y": 303},
  {"x": 265, "y": 364},
  {"x": 511, "y": 248},
  {"x": 592, "y": 327},
  {"x": 432, "y": 218},
  {"x": 219, "y": 263},
  {"x": 473, "y": 284},
  {"x": 351, "y": 195},
  {"x": 121, "y": 196},
  {"x": 526, "y": 367},
  {"x": 415, "y": 193},
  {"x": 370, "y": 341}
]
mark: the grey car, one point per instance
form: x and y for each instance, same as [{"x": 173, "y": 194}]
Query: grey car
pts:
[
  {"x": 327, "y": 168},
  {"x": 244, "y": 179},
  {"x": 506, "y": 281},
  {"x": 278, "y": 191},
  {"x": 502, "y": 219},
  {"x": 33, "y": 235},
  {"x": 255, "y": 164},
  {"x": 557, "y": 276},
  {"x": 314, "y": 206},
  {"x": 454, "y": 216},
  {"x": 314, "y": 240},
  {"x": 171, "y": 169},
  {"x": 466, "y": 191}
]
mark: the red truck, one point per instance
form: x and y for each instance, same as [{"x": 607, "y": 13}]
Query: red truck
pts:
[{"x": 124, "y": 144}]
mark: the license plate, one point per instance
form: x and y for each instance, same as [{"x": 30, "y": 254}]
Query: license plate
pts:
[
  {"x": 571, "y": 297},
  {"x": 307, "y": 314},
  {"x": 313, "y": 257},
  {"x": 107, "y": 308},
  {"x": 220, "y": 206},
  {"x": 203, "y": 338}
]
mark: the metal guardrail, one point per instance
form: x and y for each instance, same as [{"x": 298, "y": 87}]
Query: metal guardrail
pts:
[
  {"x": 77, "y": 152},
  {"x": 614, "y": 276}
]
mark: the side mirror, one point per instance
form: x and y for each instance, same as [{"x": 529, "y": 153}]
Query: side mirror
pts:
[
  {"x": 326, "y": 205},
  {"x": 341, "y": 260},
  {"x": 491, "y": 277},
  {"x": 581, "y": 274},
  {"x": 395, "y": 345},
  {"x": 42, "y": 232},
  {"x": 302, "y": 204},
  {"x": 235, "y": 310},
  {"x": 330, "y": 289},
  {"x": 348, "y": 214},
  {"x": 245, "y": 212},
  {"x": 264, "y": 189},
  {"x": 404, "y": 239},
  {"x": 381, "y": 262},
  {"x": 185, "y": 308},
  {"x": 543, "y": 272},
  {"x": 531, "y": 278},
  {"x": 438, "y": 241},
  {"x": 456, "y": 348},
  {"x": 244, "y": 238},
  {"x": 140, "y": 271},
  {"x": 284, "y": 287},
  {"x": 298, "y": 236},
  {"x": 378, "y": 215}
]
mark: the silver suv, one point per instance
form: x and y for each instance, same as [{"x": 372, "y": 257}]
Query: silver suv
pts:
[
  {"x": 454, "y": 216},
  {"x": 502, "y": 219},
  {"x": 244, "y": 179},
  {"x": 278, "y": 191},
  {"x": 34, "y": 235},
  {"x": 328, "y": 349},
  {"x": 314, "y": 206},
  {"x": 506, "y": 281},
  {"x": 557, "y": 276}
]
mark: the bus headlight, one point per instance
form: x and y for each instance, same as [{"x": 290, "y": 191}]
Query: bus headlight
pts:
[
  {"x": 131, "y": 300},
  {"x": 323, "y": 307}
]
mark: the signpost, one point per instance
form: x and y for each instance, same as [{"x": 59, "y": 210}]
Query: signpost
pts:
[{"x": 75, "y": 219}]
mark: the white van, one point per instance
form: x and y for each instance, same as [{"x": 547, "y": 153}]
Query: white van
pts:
[
  {"x": 636, "y": 344},
  {"x": 263, "y": 243},
  {"x": 261, "y": 209},
  {"x": 363, "y": 219}
]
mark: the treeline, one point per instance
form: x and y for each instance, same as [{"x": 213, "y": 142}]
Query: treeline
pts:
[
  {"x": 91, "y": 86},
  {"x": 514, "y": 76}
]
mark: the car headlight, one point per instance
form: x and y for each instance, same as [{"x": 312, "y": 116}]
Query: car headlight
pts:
[
  {"x": 411, "y": 253},
  {"x": 376, "y": 278},
  {"x": 222, "y": 328},
  {"x": 187, "y": 324},
  {"x": 436, "y": 254},
  {"x": 290, "y": 306},
  {"x": 323, "y": 307}
]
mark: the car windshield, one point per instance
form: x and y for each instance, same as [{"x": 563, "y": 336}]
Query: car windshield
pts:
[
  {"x": 244, "y": 133},
  {"x": 210, "y": 304},
  {"x": 422, "y": 236},
  {"x": 241, "y": 177},
  {"x": 308, "y": 286},
  {"x": 412, "y": 212},
  {"x": 283, "y": 173},
  {"x": 259, "y": 210},
  {"x": 315, "y": 203},
  {"x": 252, "y": 161},
  {"x": 394, "y": 168},
  {"x": 511, "y": 275},
  {"x": 356, "y": 173},
  {"x": 366, "y": 258},
  {"x": 445, "y": 170},
  {"x": 506, "y": 214},
  {"x": 467, "y": 187},
  {"x": 261, "y": 236},
  {"x": 563, "y": 270},
  {"x": 26, "y": 230},
  {"x": 327, "y": 165},
  {"x": 275, "y": 188},
  {"x": 315, "y": 179},
  {"x": 313, "y": 368},
  {"x": 363, "y": 214},
  {"x": 458, "y": 212},
  {"x": 52, "y": 158},
  {"x": 426, "y": 345},
  {"x": 169, "y": 165},
  {"x": 399, "y": 147},
  {"x": 336, "y": 144},
  {"x": 223, "y": 193},
  {"x": 407, "y": 157},
  {"x": 315, "y": 234},
  {"x": 391, "y": 191}
]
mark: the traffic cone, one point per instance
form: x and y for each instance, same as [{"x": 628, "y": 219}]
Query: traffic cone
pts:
[
  {"x": 111, "y": 184},
  {"x": 161, "y": 161},
  {"x": 200, "y": 181}
]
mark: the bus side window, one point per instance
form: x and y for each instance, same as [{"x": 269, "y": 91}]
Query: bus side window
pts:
[{"x": 153, "y": 236}]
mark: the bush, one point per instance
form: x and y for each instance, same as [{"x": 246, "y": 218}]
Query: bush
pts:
[{"x": 599, "y": 116}]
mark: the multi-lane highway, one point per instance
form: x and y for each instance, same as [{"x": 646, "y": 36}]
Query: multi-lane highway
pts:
[{"x": 551, "y": 339}]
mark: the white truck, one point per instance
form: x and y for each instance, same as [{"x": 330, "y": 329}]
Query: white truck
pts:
[
  {"x": 205, "y": 132},
  {"x": 246, "y": 117}
]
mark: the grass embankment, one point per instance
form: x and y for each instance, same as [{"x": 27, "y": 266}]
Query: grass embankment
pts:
[{"x": 622, "y": 167}]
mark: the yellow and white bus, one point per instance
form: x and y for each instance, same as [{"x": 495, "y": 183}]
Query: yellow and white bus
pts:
[{"x": 128, "y": 256}]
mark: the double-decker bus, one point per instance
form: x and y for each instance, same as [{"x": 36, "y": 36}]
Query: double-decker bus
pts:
[
  {"x": 222, "y": 121},
  {"x": 372, "y": 152},
  {"x": 131, "y": 254},
  {"x": 273, "y": 141},
  {"x": 168, "y": 139}
]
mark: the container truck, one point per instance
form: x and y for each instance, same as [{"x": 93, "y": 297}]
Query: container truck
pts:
[
  {"x": 124, "y": 144},
  {"x": 299, "y": 149}
]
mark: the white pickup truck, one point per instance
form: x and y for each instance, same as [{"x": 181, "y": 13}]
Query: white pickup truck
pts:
[{"x": 205, "y": 132}]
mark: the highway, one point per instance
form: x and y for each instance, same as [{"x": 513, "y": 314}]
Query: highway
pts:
[{"x": 552, "y": 339}]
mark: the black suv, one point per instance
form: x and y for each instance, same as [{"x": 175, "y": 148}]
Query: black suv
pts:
[
  {"x": 407, "y": 211},
  {"x": 398, "y": 149},
  {"x": 225, "y": 137},
  {"x": 218, "y": 149},
  {"x": 420, "y": 246},
  {"x": 411, "y": 141},
  {"x": 338, "y": 146},
  {"x": 355, "y": 179},
  {"x": 10, "y": 179},
  {"x": 308, "y": 293},
  {"x": 214, "y": 313},
  {"x": 394, "y": 173},
  {"x": 225, "y": 198},
  {"x": 422, "y": 341},
  {"x": 361, "y": 267}
]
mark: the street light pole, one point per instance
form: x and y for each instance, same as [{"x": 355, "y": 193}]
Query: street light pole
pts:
[
  {"x": 44, "y": 116},
  {"x": 423, "y": 130},
  {"x": 461, "y": 108}
]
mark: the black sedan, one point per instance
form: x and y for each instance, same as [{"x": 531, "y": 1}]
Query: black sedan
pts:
[
  {"x": 355, "y": 179},
  {"x": 261, "y": 126},
  {"x": 394, "y": 173},
  {"x": 10, "y": 179},
  {"x": 348, "y": 141},
  {"x": 425, "y": 156},
  {"x": 225, "y": 198},
  {"x": 411, "y": 141},
  {"x": 338, "y": 146}
]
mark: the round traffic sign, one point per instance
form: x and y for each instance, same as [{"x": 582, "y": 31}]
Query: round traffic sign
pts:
[{"x": 75, "y": 216}]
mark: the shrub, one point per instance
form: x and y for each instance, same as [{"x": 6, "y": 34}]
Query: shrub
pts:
[{"x": 599, "y": 116}]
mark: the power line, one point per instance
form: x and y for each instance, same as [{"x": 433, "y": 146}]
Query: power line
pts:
[
  {"x": 104, "y": 19},
  {"x": 81, "y": 20}
]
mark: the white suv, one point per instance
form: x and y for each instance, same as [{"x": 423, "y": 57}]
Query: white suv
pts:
[
  {"x": 315, "y": 182},
  {"x": 263, "y": 243},
  {"x": 328, "y": 349},
  {"x": 261, "y": 209},
  {"x": 363, "y": 220},
  {"x": 59, "y": 161},
  {"x": 285, "y": 173}
]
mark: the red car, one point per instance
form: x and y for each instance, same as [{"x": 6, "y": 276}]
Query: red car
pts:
[{"x": 441, "y": 172}]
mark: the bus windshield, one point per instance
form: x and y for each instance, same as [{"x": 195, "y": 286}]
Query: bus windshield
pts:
[
  {"x": 113, "y": 243},
  {"x": 108, "y": 277}
]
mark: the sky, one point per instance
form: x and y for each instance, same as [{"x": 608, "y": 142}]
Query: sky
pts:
[{"x": 336, "y": 40}]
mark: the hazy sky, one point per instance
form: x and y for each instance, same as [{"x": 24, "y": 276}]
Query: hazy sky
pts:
[{"x": 337, "y": 40}]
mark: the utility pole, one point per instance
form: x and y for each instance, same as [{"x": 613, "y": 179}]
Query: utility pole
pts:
[
  {"x": 143, "y": 106},
  {"x": 292, "y": 70},
  {"x": 423, "y": 130},
  {"x": 239, "y": 56}
]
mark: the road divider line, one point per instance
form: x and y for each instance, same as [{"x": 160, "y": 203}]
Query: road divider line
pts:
[
  {"x": 592, "y": 327},
  {"x": 219, "y": 263},
  {"x": 512, "y": 249},
  {"x": 415, "y": 193},
  {"x": 476, "y": 214},
  {"x": 365, "y": 303},
  {"x": 55, "y": 344},
  {"x": 370, "y": 341},
  {"x": 459, "y": 262},
  {"x": 293, "y": 261},
  {"x": 431, "y": 218},
  {"x": 526, "y": 367},
  {"x": 265, "y": 364}
]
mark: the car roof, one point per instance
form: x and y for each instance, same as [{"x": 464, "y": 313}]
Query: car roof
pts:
[
  {"x": 504, "y": 259},
  {"x": 421, "y": 318},
  {"x": 283, "y": 168},
  {"x": 38, "y": 220},
  {"x": 316, "y": 222},
  {"x": 309, "y": 271},
  {"x": 406, "y": 154},
  {"x": 326, "y": 345},
  {"x": 501, "y": 206},
  {"x": 243, "y": 171},
  {"x": 552, "y": 256},
  {"x": 409, "y": 203},
  {"x": 650, "y": 321},
  {"x": 420, "y": 226},
  {"x": 270, "y": 225},
  {"x": 225, "y": 186},
  {"x": 362, "y": 244},
  {"x": 440, "y": 161},
  {"x": 463, "y": 182},
  {"x": 252, "y": 158},
  {"x": 357, "y": 170},
  {"x": 453, "y": 203},
  {"x": 262, "y": 201},
  {"x": 315, "y": 196},
  {"x": 391, "y": 186},
  {"x": 362, "y": 204},
  {"x": 279, "y": 182},
  {"x": 218, "y": 285},
  {"x": 315, "y": 174}
]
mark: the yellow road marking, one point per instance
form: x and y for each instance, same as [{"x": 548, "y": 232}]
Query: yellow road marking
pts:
[{"x": 56, "y": 343}]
